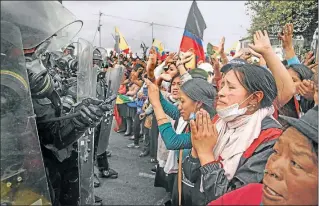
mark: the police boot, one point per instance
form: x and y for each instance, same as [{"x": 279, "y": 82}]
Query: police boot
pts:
[
  {"x": 97, "y": 200},
  {"x": 96, "y": 181},
  {"x": 103, "y": 166},
  {"x": 110, "y": 173},
  {"x": 128, "y": 126}
]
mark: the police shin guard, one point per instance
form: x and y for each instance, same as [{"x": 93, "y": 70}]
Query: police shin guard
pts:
[
  {"x": 129, "y": 122},
  {"x": 102, "y": 162},
  {"x": 70, "y": 192}
]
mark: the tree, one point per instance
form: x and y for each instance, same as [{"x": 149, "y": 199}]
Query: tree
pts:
[{"x": 273, "y": 15}]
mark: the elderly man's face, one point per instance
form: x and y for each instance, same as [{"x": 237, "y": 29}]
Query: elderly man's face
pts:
[{"x": 292, "y": 172}]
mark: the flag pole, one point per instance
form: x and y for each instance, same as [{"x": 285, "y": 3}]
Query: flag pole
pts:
[
  {"x": 100, "y": 37},
  {"x": 152, "y": 24}
]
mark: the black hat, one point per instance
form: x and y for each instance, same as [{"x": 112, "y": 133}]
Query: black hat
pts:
[
  {"x": 231, "y": 63},
  {"x": 307, "y": 124}
]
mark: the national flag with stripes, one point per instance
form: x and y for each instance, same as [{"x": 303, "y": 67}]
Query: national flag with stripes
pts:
[
  {"x": 122, "y": 42},
  {"x": 159, "y": 47},
  {"x": 194, "y": 33}
]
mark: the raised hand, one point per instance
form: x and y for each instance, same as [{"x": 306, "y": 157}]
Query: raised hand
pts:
[
  {"x": 221, "y": 48},
  {"x": 153, "y": 92},
  {"x": 286, "y": 36},
  {"x": 152, "y": 59},
  {"x": 170, "y": 59},
  {"x": 185, "y": 57},
  {"x": 261, "y": 42},
  {"x": 314, "y": 67},
  {"x": 309, "y": 57},
  {"x": 306, "y": 89}
]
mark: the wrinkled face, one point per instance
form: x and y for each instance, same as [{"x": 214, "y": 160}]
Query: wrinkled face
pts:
[
  {"x": 295, "y": 78},
  {"x": 172, "y": 70},
  {"x": 175, "y": 87},
  {"x": 231, "y": 92},
  {"x": 186, "y": 106},
  {"x": 292, "y": 177}
]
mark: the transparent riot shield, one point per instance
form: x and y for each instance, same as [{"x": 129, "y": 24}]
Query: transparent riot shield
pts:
[
  {"x": 103, "y": 53},
  {"x": 113, "y": 78},
  {"x": 86, "y": 88},
  {"x": 23, "y": 176},
  {"x": 39, "y": 20}
]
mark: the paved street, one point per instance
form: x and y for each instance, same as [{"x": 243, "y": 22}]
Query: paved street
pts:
[{"x": 134, "y": 186}]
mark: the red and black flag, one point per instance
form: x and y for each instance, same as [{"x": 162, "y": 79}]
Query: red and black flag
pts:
[{"x": 194, "y": 32}]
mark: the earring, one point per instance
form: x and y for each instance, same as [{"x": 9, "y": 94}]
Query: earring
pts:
[
  {"x": 265, "y": 171},
  {"x": 252, "y": 107}
]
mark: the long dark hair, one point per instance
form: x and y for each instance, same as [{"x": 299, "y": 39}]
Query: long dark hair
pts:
[{"x": 256, "y": 78}]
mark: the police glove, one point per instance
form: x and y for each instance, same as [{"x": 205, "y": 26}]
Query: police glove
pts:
[{"x": 91, "y": 112}]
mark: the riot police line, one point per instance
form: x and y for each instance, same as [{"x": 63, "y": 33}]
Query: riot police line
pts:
[{"x": 56, "y": 107}]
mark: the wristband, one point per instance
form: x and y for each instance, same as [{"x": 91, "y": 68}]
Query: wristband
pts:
[
  {"x": 218, "y": 161},
  {"x": 151, "y": 79}
]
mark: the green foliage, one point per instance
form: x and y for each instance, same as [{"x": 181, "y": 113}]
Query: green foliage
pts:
[{"x": 273, "y": 15}]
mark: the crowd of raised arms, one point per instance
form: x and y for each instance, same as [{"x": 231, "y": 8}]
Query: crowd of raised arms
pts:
[
  {"x": 219, "y": 129},
  {"x": 226, "y": 132}
]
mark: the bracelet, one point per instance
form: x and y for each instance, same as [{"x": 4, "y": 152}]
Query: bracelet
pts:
[
  {"x": 218, "y": 161},
  {"x": 152, "y": 79},
  {"x": 179, "y": 65},
  {"x": 160, "y": 119}
]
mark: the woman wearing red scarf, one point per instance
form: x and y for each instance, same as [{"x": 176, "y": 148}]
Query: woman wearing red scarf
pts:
[{"x": 291, "y": 172}]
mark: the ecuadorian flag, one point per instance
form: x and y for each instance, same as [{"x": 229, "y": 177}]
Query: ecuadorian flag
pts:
[
  {"x": 194, "y": 33},
  {"x": 122, "y": 42},
  {"x": 159, "y": 47}
]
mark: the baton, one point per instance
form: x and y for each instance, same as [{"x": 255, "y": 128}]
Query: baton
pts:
[{"x": 76, "y": 114}]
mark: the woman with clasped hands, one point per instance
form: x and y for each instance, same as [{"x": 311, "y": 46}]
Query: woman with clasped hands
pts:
[{"x": 232, "y": 150}]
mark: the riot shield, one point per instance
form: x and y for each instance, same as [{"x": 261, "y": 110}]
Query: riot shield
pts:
[
  {"x": 113, "y": 78},
  {"x": 103, "y": 53},
  {"x": 23, "y": 177},
  {"x": 39, "y": 20},
  {"x": 86, "y": 88}
]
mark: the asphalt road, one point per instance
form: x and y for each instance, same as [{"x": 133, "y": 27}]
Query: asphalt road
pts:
[{"x": 135, "y": 183}]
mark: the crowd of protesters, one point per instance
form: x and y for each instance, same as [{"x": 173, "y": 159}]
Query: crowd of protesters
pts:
[{"x": 230, "y": 131}]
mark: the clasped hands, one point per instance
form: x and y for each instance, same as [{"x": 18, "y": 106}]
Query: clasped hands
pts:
[{"x": 204, "y": 137}]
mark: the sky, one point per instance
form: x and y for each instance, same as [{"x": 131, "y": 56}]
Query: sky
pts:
[{"x": 223, "y": 18}]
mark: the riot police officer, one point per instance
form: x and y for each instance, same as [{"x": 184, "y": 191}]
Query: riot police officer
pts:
[
  {"x": 56, "y": 137},
  {"x": 102, "y": 131}
]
